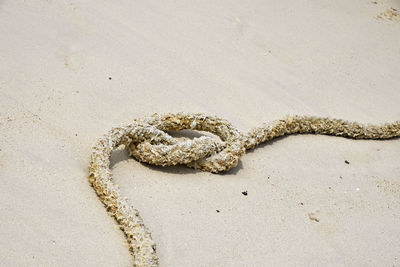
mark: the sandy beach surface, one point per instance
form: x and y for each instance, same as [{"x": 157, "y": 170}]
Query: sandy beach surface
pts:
[{"x": 71, "y": 70}]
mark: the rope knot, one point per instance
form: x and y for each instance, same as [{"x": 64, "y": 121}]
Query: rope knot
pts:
[{"x": 204, "y": 153}]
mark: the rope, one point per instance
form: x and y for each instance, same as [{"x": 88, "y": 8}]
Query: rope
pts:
[{"x": 146, "y": 140}]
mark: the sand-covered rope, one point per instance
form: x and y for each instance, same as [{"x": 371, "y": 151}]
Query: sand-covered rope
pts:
[{"x": 147, "y": 141}]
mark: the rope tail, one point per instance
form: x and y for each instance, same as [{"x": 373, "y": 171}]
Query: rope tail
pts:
[{"x": 317, "y": 125}]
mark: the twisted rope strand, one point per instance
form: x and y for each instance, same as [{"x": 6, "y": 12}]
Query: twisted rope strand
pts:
[{"x": 146, "y": 140}]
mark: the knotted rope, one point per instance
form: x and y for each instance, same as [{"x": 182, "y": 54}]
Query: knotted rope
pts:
[{"x": 147, "y": 141}]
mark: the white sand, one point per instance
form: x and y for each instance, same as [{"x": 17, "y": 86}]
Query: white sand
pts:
[{"x": 249, "y": 63}]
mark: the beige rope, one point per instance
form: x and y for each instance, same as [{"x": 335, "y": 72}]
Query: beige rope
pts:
[{"x": 147, "y": 141}]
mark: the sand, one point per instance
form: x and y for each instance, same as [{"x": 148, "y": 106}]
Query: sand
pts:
[{"x": 70, "y": 71}]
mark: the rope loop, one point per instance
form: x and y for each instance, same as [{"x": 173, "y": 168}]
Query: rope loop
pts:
[{"x": 204, "y": 153}]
